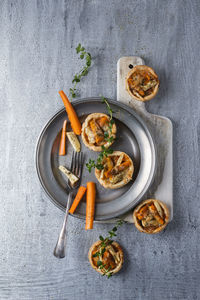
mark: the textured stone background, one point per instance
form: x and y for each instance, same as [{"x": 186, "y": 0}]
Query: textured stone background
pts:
[{"x": 37, "y": 58}]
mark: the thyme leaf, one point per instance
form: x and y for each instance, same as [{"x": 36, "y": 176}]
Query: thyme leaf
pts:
[{"x": 98, "y": 164}]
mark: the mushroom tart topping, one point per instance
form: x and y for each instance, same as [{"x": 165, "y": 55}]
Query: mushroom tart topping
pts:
[
  {"x": 142, "y": 83},
  {"x": 106, "y": 260},
  {"x": 117, "y": 170},
  {"x": 98, "y": 130},
  {"x": 151, "y": 216}
]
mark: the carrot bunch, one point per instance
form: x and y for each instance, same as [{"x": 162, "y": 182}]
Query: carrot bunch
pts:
[{"x": 91, "y": 188}]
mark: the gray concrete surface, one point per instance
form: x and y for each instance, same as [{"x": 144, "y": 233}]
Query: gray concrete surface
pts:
[{"x": 37, "y": 58}]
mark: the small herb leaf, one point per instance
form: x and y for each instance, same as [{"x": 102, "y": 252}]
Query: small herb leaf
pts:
[
  {"x": 78, "y": 48},
  {"x": 99, "y": 263},
  {"x": 101, "y": 238}
]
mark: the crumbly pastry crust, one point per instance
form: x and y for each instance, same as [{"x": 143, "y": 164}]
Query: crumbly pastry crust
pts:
[
  {"x": 117, "y": 268},
  {"x": 128, "y": 176},
  {"x": 86, "y": 124},
  {"x": 158, "y": 229},
  {"x": 155, "y": 90}
]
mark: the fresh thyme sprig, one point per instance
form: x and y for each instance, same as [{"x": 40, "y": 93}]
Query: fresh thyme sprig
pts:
[
  {"x": 83, "y": 72},
  {"x": 110, "y": 111},
  {"x": 108, "y": 134},
  {"x": 104, "y": 243},
  {"x": 98, "y": 164}
]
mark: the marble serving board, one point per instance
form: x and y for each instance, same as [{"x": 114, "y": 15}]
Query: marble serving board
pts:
[{"x": 162, "y": 132}]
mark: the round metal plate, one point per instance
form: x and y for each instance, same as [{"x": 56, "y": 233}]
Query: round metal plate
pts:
[{"x": 133, "y": 137}]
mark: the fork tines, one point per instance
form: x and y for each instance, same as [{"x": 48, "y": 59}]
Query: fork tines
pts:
[{"x": 76, "y": 164}]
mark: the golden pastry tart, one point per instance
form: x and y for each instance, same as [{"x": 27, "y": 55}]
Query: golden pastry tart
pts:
[
  {"x": 151, "y": 216},
  {"x": 112, "y": 258},
  {"x": 117, "y": 170},
  {"x": 96, "y": 132},
  {"x": 142, "y": 83}
]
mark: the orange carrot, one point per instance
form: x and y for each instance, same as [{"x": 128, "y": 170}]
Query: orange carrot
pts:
[
  {"x": 90, "y": 204},
  {"x": 102, "y": 121},
  {"x": 142, "y": 212},
  {"x": 75, "y": 123},
  {"x": 62, "y": 149},
  {"x": 109, "y": 166},
  {"x": 79, "y": 196},
  {"x": 99, "y": 136}
]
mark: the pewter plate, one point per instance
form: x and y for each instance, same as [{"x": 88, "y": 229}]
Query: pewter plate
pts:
[{"x": 133, "y": 137}]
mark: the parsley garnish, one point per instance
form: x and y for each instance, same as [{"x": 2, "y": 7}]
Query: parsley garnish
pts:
[
  {"x": 84, "y": 71},
  {"x": 104, "y": 243}
]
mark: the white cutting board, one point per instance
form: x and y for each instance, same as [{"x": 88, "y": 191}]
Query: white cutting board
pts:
[{"x": 162, "y": 131}]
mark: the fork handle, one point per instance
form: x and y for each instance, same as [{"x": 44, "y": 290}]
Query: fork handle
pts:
[{"x": 60, "y": 247}]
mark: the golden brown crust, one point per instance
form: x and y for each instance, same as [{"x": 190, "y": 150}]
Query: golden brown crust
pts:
[
  {"x": 128, "y": 176},
  {"x": 155, "y": 89},
  {"x": 86, "y": 125},
  {"x": 121, "y": 255},
  {"x": 158, "y": 229}
]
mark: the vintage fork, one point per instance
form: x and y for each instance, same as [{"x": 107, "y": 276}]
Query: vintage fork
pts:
[{"x": 76, "y": 168}]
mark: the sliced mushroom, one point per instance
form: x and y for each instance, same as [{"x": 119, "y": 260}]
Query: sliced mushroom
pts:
[
  {"x": 152, "y": 222},
  {"x": 117, "y": 178},
  {"x": 149, "y": 85}
]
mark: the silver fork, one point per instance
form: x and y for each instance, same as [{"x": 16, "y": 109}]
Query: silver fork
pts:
[{"x": 76, "y": 168}]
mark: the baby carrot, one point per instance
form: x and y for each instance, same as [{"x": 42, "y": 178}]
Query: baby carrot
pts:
[
  {"x": 75, "y": 123},
  {"x": 90, "y": 204},
  {"x": 62, "y": 148},
  {"x": 77, "y": 199}
]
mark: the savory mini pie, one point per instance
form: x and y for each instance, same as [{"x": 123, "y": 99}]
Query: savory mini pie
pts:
[
  {"x": 151, "y": 216},
  {"x": 142, "y": 83},
  {"x": 112, "y": 258},
  {"x": 117, "y": 170},
  {"x": 97, "y": 131}
]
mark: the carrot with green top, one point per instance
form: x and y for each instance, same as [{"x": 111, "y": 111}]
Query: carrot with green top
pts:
[
  {"x": 73, "y": 118},
  {"x": 79, "y": 196},
  {"x": 62, "y": 148},
  {"x": 90, "y": 205}
]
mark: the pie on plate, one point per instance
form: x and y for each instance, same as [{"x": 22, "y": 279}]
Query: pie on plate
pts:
[
  {"x": 96, "y": 132},
  {"x": 151, "y": 216},
  {"x": 112, "y": 257},
  {"x": 142, "y": 83},
  {"x": 117, "y": 170}
]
